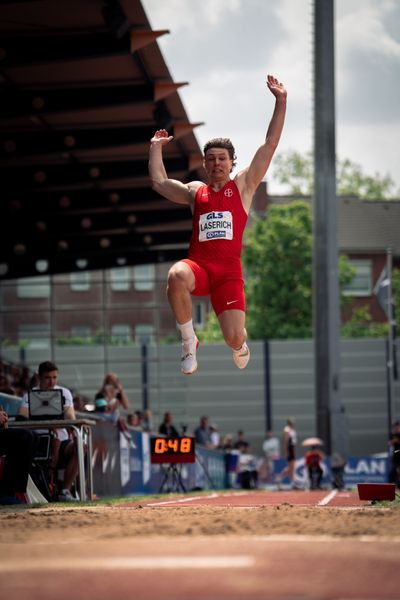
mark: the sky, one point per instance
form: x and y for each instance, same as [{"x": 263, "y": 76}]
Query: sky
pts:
[{"x": 225, "y": 49}]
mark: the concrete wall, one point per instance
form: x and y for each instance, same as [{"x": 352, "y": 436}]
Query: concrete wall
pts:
[{"x": 363, "y": 390}]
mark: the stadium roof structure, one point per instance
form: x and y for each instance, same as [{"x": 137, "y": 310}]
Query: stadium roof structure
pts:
[{"x": 83, "y": 88}]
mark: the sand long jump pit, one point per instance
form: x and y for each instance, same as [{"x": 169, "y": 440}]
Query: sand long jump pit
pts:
[{"x": 287, "y": 545}]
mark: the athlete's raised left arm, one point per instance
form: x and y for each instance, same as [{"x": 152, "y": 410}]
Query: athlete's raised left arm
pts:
[{"x": 249, "y": 179}]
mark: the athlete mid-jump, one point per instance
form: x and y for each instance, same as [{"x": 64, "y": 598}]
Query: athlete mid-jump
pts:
[{"x": 220, "y": 209}]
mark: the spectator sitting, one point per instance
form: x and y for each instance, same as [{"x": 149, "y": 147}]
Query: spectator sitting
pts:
[
  {"x": 34, "y": 381},
  {"x": 241, "y": 443},
  {"x": 80, "y": 403},
  {"x": 100, "y": 405},
  {"x": 227, "y": 442},
  {"x": 313, "y": 463},
  {"x": 231, "y": 459},
  {"x": 270, "y": 445},
  {"x": 247, "y": 468},
  {"x": 5, "y": 385},
  {"x": 289, "y": 444},
  {"x": 271, "y": 451},
  {"x": 215, "y": 436},
  {"x": 111, "y": 405},
  {"x": 135, "y": 419},
  {"x": 23, "y": 381},
  {"x": 147, "y": 420},
  {"x": 111, "y": 379},
  {"x": 166, "y": 427},
  {"x": 108, "y": 406},
  {"x": 202, "y": 433},
  {"x": 18, "y": 445}
]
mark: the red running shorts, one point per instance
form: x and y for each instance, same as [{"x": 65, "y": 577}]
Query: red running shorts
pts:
[{"x": 225, "y": 286}]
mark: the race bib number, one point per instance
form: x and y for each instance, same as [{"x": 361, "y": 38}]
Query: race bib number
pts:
[{"x": 215, "y": 225}]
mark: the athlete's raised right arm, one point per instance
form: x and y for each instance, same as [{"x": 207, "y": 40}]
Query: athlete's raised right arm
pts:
[{"x": 173, "y": 190}]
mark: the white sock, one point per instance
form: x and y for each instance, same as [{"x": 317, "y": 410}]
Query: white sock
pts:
[{"x": 186, "y": 330}]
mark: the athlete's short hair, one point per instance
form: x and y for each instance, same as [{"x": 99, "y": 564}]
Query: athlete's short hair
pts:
[{"x": 222, "y": 143}]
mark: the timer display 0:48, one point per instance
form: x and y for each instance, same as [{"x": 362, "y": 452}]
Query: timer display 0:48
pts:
[{"x": 172, "y": 449}]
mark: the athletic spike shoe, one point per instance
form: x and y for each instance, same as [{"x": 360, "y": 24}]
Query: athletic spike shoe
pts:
[
  {"x": 188, "y": 359},
  {"x": 242, "y": 356}
]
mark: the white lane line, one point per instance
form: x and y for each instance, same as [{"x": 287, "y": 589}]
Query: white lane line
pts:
[
  {"x": 296, "y": 537},
  {"x": 122, "y": 562},
  {"x": 327, "y": 498},
  {"x": 181, "y": 500}
]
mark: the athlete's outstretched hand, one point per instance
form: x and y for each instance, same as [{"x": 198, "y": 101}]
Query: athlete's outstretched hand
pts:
[
  {"x": 276, "y": 87},
  {"x": 161, "y": 137}
]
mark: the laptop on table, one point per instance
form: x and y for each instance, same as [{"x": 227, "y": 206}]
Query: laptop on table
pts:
[{"x": 46, "y": 404}]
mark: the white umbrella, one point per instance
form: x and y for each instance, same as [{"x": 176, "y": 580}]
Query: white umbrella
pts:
[{"x": 312, "y": 441}]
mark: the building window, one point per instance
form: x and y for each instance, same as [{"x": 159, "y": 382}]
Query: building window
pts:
[
  {"x": 144, "y": 334},
  {"x": 361, "y": 284},
  {"x": 121, "y": 333},
  {"x": 35, "y": 335},
  {"x": 34, "y": 287},
  {"x": 120, "y": 279},
  {"x": 81, "y": 331},
  {"x": 80, "y": 281},
  {"x": 144, "y": 276}
]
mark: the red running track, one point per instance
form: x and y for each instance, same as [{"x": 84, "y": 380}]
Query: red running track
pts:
[{"x": 255, "y": 498}]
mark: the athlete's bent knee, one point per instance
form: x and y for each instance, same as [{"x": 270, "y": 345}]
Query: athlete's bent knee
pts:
[
  {"x": 234, "y": 338},
  {"x": 177, "y": 277}
]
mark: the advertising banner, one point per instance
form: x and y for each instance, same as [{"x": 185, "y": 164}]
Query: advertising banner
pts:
[
  {"x": 106, "y": 459},
  {"x": 358, "y": 469}
]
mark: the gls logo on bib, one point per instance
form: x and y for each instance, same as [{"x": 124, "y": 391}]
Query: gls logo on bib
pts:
[{"x": 215, "y": 225}]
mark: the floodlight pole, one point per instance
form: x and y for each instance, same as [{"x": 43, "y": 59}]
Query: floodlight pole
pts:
[{"x": 326, "y": 312}]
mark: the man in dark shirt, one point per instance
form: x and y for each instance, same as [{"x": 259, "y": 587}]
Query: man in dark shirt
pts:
[{"x": 166, "y": 427}]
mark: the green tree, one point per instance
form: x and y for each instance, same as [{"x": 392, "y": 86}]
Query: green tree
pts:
[
  {"x": 278, "y": 264},
  {"x": 296, "y": 171},
  {"x": 277, "y": 258},
  {"x": 361, "y": 325},
  {"x": 212, "y": 332}
]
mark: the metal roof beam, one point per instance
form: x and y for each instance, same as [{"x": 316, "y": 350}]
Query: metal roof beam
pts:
[
  {"x": 42, "y": 225},
  {"x": 39, "y": 177},
  {"x": 79, "y": 200},
  {"x": 21, "y": 49},
  {"x": 40, "y": 101},
  {"x": 34, "y": 143}
]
